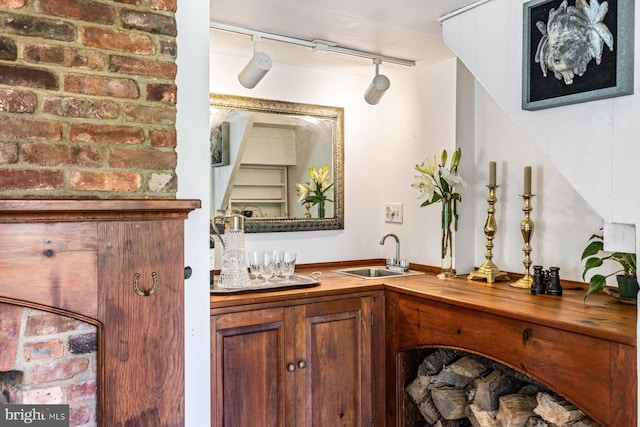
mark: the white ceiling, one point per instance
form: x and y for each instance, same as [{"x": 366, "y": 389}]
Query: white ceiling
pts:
[{"x": 406, "y": 29}]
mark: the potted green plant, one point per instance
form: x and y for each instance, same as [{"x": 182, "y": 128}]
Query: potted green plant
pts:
[{"x": 595, "y": 256}]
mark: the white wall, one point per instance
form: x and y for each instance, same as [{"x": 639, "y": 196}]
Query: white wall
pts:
[
  {"x": 192, "y": 125},
  {"x": 592, "y": 143},
  {"x": 416, "y": 118}
]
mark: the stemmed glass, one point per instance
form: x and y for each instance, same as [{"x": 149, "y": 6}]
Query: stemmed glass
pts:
[
  {"x": 255, "y": 260},
  {"x": 266, "y": 270},
  {"x": 277, "y": 264},
  {"x": 288, "y": 264}
]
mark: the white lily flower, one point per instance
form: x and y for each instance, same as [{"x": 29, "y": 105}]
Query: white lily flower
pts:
[
  {"x": 425, "y": 186},
  {"x": 452, "y": 179}
]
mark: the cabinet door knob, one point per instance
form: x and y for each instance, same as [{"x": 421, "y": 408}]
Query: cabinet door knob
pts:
[
  {"x": 302, "y": 364},
  {"x": 291, "y": 367}
]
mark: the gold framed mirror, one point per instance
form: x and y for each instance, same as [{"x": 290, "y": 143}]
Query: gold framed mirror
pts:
[{"x": 265, "y": 155}]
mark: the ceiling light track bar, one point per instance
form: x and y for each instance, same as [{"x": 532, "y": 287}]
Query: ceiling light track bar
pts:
[{"x": 314, "y": 44}]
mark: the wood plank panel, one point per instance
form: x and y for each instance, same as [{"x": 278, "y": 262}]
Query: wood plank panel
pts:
[
  {"x": 145, "y": 333},
  {"x": 52, "y": 264}
]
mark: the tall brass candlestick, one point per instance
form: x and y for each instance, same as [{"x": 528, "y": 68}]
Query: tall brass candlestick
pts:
[
  {"x": 526, "y": 227},
  {"x": 488, "y": 270}
]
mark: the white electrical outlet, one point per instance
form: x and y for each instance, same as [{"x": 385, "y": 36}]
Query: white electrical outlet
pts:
[{"x": 393, "y": 212}]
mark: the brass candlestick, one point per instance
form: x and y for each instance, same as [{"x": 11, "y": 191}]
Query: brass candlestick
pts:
[
  {"x": 488, "y": 270},
  {"x": 526, "y": 227}
]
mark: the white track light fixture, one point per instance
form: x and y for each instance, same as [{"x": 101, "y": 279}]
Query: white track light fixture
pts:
[
  {"x": 378, "y": 86},
  {"x": 256, "y": 68}
]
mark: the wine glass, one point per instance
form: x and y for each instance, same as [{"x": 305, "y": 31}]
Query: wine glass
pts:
[
  {"x": 266, "y": 269},
  {"x": 255, "y": 260},
  {"x": 277, "y": 264},
  {"x": 288, "y": 264}
]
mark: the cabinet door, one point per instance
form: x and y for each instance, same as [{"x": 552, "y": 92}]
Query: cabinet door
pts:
[
  {"x": 333, "y": 357},
  {"x": 143, "y": 352},
  {"x": 251, "y": 385}
]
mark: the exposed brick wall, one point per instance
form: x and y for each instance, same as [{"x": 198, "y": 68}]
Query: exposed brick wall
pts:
[
  {"x": 47, "y": 358},
  {"x": 88, "y": 98}
]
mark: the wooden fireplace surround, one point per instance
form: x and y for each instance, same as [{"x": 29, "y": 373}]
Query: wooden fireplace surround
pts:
[{"x": 99, "y": 261}]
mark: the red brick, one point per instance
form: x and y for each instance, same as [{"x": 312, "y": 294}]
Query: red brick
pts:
[
  {"x": 146, "y": 159},
  {"x": 8, "y": 49},
  {"x": 84, "y": 10},
  {"x": 168, "y": 5},
  {"x": 103, "y": 38},
  {"x": 142, "y": 67},
  {"x": 162, "y": 92},
  {"x": 18, "y": 75},
  {"x": 146, "y": 114},
  {"x": 101, "y": 86},
  {"x": 80, "y": 108},
  {"x": 10, "y": 320},
  {"x": 67, "y": 57},
  {"x": 79, "y": 415},
  {"x": 107, "y": 134},
  {"x": 50, "y": 349},
  {"x": 8, "y": 153},
  {"x": 81, "y": 392},
  {"x": 43, "y": 396},
  {"x": 49, "y": 323},
  {"x": 17, "y": 101},
  {"x": 150, "y": 22},
  {"x": 59, "y": 370},
  {"x": 19, "y": 128},
  {"x": 61, "y": 155},
  {"x": 25, "y": 179},
  {"x": 106, "y": 181},
  {"x": 35, "y": 26},
  {"x": 12, "y": 4},
  {"x": 163, "y": 138}
]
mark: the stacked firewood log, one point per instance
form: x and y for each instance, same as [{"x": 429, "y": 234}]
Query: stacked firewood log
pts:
[{"x": 454, "y": 389}]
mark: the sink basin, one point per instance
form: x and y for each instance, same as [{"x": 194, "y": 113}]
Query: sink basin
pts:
[{"x": 375, "y": 272}]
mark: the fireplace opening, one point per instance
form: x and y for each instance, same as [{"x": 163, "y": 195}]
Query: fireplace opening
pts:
[
  {"x": 453, "y": 388},
  {"x": 48, "y": 358}
]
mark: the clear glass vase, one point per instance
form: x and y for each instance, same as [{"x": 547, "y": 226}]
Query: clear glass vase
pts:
[
  {"x": 446, "y": 244},
  {"x": 321, "y": 211}
]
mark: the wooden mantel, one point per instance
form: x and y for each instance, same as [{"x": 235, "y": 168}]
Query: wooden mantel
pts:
[{"x": 118, "y": 264}]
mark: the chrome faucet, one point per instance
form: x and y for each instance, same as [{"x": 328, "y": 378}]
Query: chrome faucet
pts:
[{"x": 395, "y": 263}]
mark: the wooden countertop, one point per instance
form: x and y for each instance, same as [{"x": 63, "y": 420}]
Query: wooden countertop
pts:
[{"x": 601, "y": 316}]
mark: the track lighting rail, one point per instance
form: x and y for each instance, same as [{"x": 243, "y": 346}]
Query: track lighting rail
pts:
[{"x": 317, "y": 45}]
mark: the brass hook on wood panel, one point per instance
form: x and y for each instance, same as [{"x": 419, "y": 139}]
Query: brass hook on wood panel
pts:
[{"x": 142, "y": 293}]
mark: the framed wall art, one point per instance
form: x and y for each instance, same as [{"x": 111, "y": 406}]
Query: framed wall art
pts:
[
  {"x": 576, "y": 51},
  {"x": 219, "y": 143}
]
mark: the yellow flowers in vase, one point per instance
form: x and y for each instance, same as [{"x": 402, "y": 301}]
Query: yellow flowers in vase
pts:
[{"x": 314, "y": 191}]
